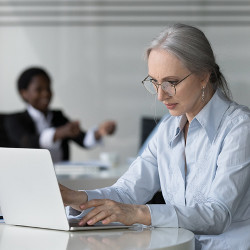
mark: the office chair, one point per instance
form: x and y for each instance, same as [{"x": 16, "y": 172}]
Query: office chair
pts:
[
  {"x": 149, "y": 126},
  {"x": 4, "y": 141}
]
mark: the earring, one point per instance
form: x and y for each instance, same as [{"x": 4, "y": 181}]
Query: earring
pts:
[{"x": 203, "y": 94}]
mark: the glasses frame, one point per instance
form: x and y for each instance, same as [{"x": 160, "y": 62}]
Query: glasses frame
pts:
[{"x": 158, "y": 84}]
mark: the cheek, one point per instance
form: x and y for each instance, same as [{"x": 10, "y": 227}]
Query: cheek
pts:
[
  {"x": 188, "y": 99},
  {"x": 35, "y": 99},
  {"x": 184, "y": 96},
  {"x": 188, "y": 92}
]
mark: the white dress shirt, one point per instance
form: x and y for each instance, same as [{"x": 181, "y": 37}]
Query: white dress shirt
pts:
[{"x": 46, "y": 139}]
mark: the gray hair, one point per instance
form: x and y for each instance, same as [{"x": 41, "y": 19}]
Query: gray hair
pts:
[{"x": 191, "y": 46}]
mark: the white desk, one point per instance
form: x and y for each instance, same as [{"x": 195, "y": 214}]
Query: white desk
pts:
[
  {"x": 24, "y": 238},
  {"x": 76, "y": 177}
]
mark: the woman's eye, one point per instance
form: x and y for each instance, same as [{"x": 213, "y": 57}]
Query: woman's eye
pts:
[{"x": 173, "y": 82}]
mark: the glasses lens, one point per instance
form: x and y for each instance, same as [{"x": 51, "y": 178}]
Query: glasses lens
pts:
[
  {"x": 150, "y": 87},
  {"x": 168, "y": 88}
]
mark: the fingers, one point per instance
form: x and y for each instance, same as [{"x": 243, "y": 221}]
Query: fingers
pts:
[
  {"x": 93, "y": 217},
  {"x": 102, "y": 210},
  {"x": 109, "y": 219},
  {"x": 93, "y": 203},
  {"x": 74, "y": 128},
  {"x": 108, "y": 211},
  {"x": 110, "y": 127},
  {"x": 70, "y": 129},
  {"x": 107, "y": 128}
]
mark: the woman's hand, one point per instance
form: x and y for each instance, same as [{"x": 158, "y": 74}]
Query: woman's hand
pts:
[
  {"x": 69, "y": 130},
  {"x": 109, "y": 211},
  {"x": 73, "y": 198}
]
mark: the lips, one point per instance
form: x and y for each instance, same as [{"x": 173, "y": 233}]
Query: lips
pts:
[{"x": 171, "y": 105}]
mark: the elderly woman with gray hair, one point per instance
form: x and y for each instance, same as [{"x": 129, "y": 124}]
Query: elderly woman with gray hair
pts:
[{"x": 199, "y": 157}]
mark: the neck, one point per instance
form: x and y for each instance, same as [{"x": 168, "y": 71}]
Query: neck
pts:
[
  {"x": 208, "y": 95},
  {"x": 44, "y": 112}
]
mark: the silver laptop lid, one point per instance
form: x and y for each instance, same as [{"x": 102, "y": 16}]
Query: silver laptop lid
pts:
[{"x": 29, "y": 192}]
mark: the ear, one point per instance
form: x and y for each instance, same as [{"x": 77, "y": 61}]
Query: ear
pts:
[
  {"x": 204, "y": 79},
  {"x": 24, "y": 94}
]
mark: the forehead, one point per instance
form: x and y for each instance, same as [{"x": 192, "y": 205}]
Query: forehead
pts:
[
  {"x": 162, "y": 64},
  {"x": 39, "y": 80}
]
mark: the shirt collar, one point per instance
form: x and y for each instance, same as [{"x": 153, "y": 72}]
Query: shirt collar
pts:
[
  {"x": 180, "y": 122},
  {"x": 209, "y": 117},
  {"x": 38, "y": 115}
]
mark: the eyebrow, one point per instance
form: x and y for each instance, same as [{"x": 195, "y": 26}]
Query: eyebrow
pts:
[{"x": 165, "y": 78}]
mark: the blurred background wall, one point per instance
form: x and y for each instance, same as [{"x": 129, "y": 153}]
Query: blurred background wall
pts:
[{"x": 94, "y": 51}]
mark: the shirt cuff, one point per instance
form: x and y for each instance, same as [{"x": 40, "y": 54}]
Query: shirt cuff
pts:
[
  {"x": 89, "y": 140},
  {"x": 75, "y": 214},
  {"x": 163, "y": 215},
  {"x": 102, "y": 193},
  {"x": 46, "y": 139}
]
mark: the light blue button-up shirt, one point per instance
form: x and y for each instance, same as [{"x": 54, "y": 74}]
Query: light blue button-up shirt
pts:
[{"x": 212, "y": 198}]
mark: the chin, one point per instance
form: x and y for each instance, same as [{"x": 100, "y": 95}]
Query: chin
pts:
[
  {"x": 175, "y": 113},
  {"x": 44, "y": 110}
]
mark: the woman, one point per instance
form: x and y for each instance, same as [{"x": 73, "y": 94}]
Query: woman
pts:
[
  {"x": 199, "y": 157},
  {"x": 41, "y": 127}
]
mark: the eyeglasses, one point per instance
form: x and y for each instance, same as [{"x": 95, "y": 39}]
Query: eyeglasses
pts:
[{"x": 168, "y": 87}]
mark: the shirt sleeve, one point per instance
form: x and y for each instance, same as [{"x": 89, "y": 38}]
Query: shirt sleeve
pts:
[
  {"x": 89, "y": 140},
  {"x": 46, "y": 139},
  {"x": 137, "y": 186}
]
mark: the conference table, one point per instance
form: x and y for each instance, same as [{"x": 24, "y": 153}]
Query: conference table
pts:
[
  {"x": 88, "y": 175},
  {"x": 137, "y": 237}
]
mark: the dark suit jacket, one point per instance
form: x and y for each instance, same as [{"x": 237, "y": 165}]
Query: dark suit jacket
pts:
[{"x": 21, "y": 131}]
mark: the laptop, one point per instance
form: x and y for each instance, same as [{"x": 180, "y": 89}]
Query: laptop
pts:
[{"x": 30, "y": 194}]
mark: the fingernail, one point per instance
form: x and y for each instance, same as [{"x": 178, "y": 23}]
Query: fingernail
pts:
[{"x": 90, "y": 221}]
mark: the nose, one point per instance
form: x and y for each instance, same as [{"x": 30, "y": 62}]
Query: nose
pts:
[{"x": 161, "y": 94}]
